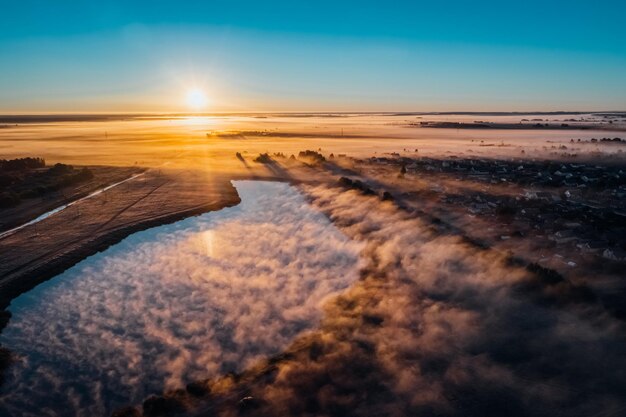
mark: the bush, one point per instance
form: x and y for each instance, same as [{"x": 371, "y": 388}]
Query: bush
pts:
[
  {"x": 545, "y": 275},
  {"x": 346, "y": 182},
  {"x": 21, "y": 164},
  {"x": 126, "y": 412},
  {"x": 263, "y": 159},
  {"x": 311, "y": 157},
  {"x": 6, "y": 180},
  {"x": 506, "y": 210},
  {"x": 161, "y": 406},
  {"x": 84, "y": 174},
  {"x": 60, "y": 169},
  {"x": 15, "y": 186},
  {"x": 197, "y": 389},
  {"x": 9, "y": 199}
]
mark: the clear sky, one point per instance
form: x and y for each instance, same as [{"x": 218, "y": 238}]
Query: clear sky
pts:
[{"x": 131, "y": 56}]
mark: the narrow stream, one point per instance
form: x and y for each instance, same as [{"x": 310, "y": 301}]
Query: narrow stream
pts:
[{"x": 203, "y": 296}]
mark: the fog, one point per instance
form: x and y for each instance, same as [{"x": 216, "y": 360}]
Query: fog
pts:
[
  {"x": 379, "y": 311},
  {"x": 195, "y": 299},
  {"x": 210, "y": 142},
  {"x": 437, "y": 326}
]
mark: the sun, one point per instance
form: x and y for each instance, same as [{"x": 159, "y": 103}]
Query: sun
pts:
[{"x": 196, "y": 99}]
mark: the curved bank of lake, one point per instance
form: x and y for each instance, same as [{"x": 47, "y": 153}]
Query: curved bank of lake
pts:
[{"x": 180, "y": 302}]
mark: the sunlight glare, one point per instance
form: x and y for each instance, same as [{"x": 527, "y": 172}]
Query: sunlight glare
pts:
[{"x": 196, "y": 99}]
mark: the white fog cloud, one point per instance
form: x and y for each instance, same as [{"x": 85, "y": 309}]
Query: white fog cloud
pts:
[{"x": 180, "y": 302}]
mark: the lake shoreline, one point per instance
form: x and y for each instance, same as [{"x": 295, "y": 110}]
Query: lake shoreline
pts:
[
  {"x": 181, "y": 260},
  {"x": 47, "y": 269},
  {"x": 60, "y": 255}
]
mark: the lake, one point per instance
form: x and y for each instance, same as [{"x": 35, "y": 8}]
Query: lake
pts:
[{"x": 166, "y": 306}]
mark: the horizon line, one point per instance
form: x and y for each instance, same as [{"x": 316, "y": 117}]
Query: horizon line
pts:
[{"x": 296, "y": 112}]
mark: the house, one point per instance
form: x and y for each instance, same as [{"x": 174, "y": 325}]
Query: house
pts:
[
  {"x": 478, "y": 208},
  {"x": 544, "y": 195},
  {"x": 615, "y": 254},
  {"x": 593, "y": 246},
  {"x": 563, "y": 236}
]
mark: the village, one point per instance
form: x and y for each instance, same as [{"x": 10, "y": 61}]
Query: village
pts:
[{"x": 571, "y": 212}]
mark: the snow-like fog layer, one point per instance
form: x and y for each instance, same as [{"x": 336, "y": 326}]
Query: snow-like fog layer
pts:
[{"x": 204, "y": 296}]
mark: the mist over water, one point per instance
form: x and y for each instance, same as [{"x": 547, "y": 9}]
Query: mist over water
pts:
[{"x": 180, "y": 302}]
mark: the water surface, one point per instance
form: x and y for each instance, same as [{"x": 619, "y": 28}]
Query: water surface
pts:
[{"x": 194, "y": 299}]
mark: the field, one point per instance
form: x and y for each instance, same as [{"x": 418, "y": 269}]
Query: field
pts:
[{"x": 473, "y": 240}]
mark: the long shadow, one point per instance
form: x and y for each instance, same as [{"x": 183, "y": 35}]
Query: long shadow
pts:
[
  {"x": 545, "y": 286},
  {"x": 247, "y": 166},
  {"x": 273, "y": 166},
  {"x": 359, "y": 368},
  {"x": 278, "y": 170}
]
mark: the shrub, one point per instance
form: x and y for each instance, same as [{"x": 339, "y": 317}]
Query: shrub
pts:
[
  {"x": 263, "y": 158},
  {"x": 9, "y": 199},
  {"x": 161, "y": 406},
  {"x": 311, "y": 157},
  {"x": 60, "y": 169},
  {"x": 21, "y": 164},
  {"x": 6, "y": 180}
]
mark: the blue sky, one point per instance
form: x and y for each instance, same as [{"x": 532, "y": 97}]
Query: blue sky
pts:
[{"x": 87, "y": 56}]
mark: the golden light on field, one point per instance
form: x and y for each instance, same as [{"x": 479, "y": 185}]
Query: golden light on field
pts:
[{"x": 196, "y": 99}]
